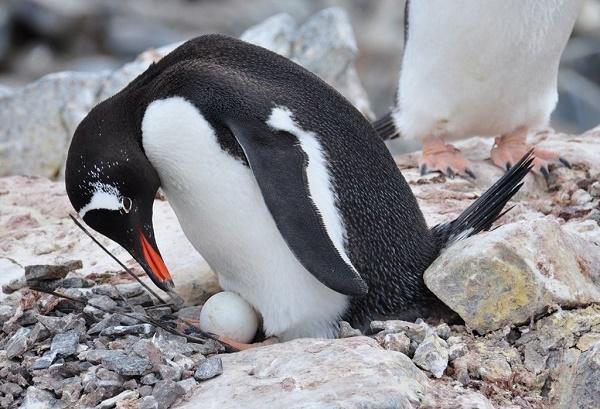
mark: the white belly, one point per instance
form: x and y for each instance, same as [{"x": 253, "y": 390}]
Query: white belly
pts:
[
  {"x": 222, "y": 212},
  {"x": 481, "y": 67}
]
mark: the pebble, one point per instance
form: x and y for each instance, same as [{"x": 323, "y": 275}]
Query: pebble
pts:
[
  {"x": 187, "y": 384},
  {"x": 147, "y": 402},
  {"x": 209, "y": 368},
  {"x": 166, "y": 393},
  {"x": 432, "y": 355},
  {"x": 580, "y": 197},
  {"x": 44, "y": 272},
  {"x": 397, "y": 342},
  {"x": 595, "y": 189},
  {"x": 111, "y": 402},
  {"x": 120, "y": 330},
  {"x": 65, "y": 344},
  {"x": 17, "y": 344},
  {"x": 124, "y": 364},
  {"x": 346, "y": 330},
  {"x": 415, "y": 331},
  {"x": 456, "y": 351},
  {"x": 168, "y": 372}
]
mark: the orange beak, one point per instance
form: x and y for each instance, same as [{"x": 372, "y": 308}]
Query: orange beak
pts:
[{"x": 155, "y": 262}]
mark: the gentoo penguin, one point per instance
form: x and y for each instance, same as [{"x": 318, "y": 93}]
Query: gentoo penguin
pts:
[
  {"x": 277, "y": 180},
  {"x": 486, "y": 68}
]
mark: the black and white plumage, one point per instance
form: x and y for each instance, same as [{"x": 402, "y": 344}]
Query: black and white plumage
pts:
[
  {"x": 278, "y": 181},
  {"x": 479, "y": 68}
]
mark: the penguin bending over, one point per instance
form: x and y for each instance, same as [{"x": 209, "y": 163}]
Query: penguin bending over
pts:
[
  {"x": 277, "y": 180},
  {"x": 479, "y": 68}
]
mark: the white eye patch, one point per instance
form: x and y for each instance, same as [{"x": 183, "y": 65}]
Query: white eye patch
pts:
[{"x": 105, "y": 197}]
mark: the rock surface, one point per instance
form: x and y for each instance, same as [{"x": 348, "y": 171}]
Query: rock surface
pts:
[
  {"x": 308, "y": 373},
  {"x": 516, "y": 272}
]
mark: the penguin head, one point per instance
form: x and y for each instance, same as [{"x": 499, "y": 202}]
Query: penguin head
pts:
[{"x": 112, "y": 185}]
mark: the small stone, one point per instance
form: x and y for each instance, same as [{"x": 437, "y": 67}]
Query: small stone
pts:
[
  {"x": 588, "y": 340},
  {"x": 125, "y": 395},
  {"x": 397, "y": 342},
  {"x": 187, "y": 384},
  {"x": 346, "y": 330},
  {"x": 65, "y": 344},
  {"x": 595, "y": 189},
  {"x": 457, "y": 350},
  {"x": 149, "y": 379},
  {"x": 534, "y": 358},
  {"x": 14, "y": 285},
  {"x": 45, "y": 361},
  {"x": 580, "y": 197},
  {"x": 6, "y": 312},
  {"x": 147, "y": 402},
  {"x": 109, "y": 380},
  {"x": 10, "y": 388},
  {"x": 108, "y": 321},
  {"x": 495, "y": 369},
  {"x": 166, "y": 393},
  {"x": 74, "y": 282},
  {"x": 413, "y": 330},
  {"x": 139, "y": 329},
  {"x": 17, "y": 344},
  {"x": 145, "y": 390},
  {"x": 124, "y": 364},
  {"x": 432, "y": 355},
  {"x": 443, "y": 331},
  {"x": 36, "y": 398},
  {"x": 142, "y": 299},
  {"x": 103, "y": 302},
  {"x": 71, "y": 390},
  {"x": 168, "y": 372},
  {"x": 51, "y": 272},
  {"x": 209, "y": 368}
]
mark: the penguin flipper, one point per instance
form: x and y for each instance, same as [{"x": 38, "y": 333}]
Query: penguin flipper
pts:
[{"x": 279, "y": 165}]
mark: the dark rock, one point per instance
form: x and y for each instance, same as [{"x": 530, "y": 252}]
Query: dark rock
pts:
[
  {"x": 168, "y": 372},
  {"x": 147, "y": 402},
  {"x": 6, "y": 313},
  {"x": 74, "y": 282},
  {"x": 108, "y": 321},
  {"x": 17, "y": 344},
  {"x": 209, "y": 368},
  {"x": 127, "y": 365},
  {"x": 166, "y": 393},
  {"x": 65, "y": 344},
  {"x": 44, "y": 272},
  {"x": 71, "y": 390},
  {"x": 45, "y": 361},
  {"x": 149, "y": 379}
]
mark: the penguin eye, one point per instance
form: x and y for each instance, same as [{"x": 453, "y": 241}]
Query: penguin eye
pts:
[{"x": 126, "y": 204}]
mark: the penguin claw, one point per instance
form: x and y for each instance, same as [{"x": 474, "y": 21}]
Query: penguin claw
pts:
[
  {"x": 470, "y": 173},
  {"x": 565, "y": 162},
  {"x": 423, "y": 169},
  {"x": 546, "y": 173},
  {"x": 508, "y": 166},
  {"x": 450, "y": 173}
]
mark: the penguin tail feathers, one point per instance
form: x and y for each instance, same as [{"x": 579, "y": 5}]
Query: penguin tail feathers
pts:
[
  {"x": 385, "y": 127},
  {"x": 488, "y": 208}
]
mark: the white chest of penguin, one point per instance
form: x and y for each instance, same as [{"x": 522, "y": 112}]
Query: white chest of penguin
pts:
[{"x": 222, "y": 212}]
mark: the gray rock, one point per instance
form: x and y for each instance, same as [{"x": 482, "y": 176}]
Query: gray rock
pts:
[
  {"x": 586, "y": 388},
  {"x": 18, "y": 343},
  {"x": 397, "y": 342},
  {"x": 139, "y": 329},
  {"x": 209, "y": 368},
  {"x": 37, "y": 122},
  {"x": 146, "y": 390},
  {"x": 148, "y": 402},
  {"x": 65, "y": 344},
  {"x": 515, "y": 272},
  {"x": 51, "y": 272},
  {"x": 276, "y": 33},
  {"x": 124, "y": 364},
  {"x": 14, "y": 285},
  {"x": 495, "y": 368},
  {"x": 109, "y": 380},
  {"x": 111, "y": 402},
  {"x": 187, "y": 384},
  {"x": 346, "y": 330},
  {"x": 74, "y": 282},
  {"x": 36, "y": 398},
  {"x": 71, "y": 390},
  {"x": 276, "y": 376},
  {"x": 166, "y": 393},
  {"x": 45, "y": 361},
  {"x": 432, "y": 355},
  {"x": 149, "y": 379},
  {"x": 534, "y": 358},
  {"x": 168, "y": 372},
  {"x": 414, "y": 331},
  {"x": 6, "y": 312},
  {"x": 443, "y": 331},
  {"x": 456, "y": 351},
  {"x": 325, "y": 45}
]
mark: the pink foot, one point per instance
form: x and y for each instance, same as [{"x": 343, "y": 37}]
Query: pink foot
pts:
[{"x": 445, "y": 158}]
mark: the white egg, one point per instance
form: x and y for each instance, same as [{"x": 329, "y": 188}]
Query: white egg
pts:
[{"x": 229, "y": 315}]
